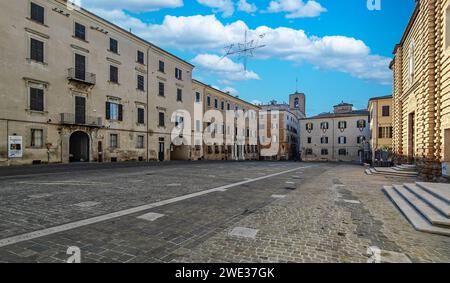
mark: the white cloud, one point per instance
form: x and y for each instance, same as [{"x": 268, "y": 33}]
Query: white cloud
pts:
[
  {"x": 246, "y": 7},
  {"x": 206, "y": 34},
  {"x": 231, "y": 90},
  {"x": 296, "y": 8},
  {"x": 224, "y": 67},
  {"x": 226, "y": 7},
  {"x": 256, "y": 102},
  {"x": 132, "y": 5}
]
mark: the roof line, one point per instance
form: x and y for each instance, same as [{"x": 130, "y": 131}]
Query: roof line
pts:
[
  {"x": 408, "y": 27},
  {"x": 224, "y": 93}
]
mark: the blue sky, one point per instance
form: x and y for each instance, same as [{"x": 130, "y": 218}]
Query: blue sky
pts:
[{"x": 338, "y": 49}]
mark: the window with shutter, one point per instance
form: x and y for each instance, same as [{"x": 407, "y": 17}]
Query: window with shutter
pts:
[
  {"x": 37, "y": 13},
  {"x": 80, "y": 67},
  {"x": 161, "y": 89},
  {"x": 36, "y": 99},
  {"x": 140, "y": 57},
  {"x": 80, "y": 31},
  {"x": 37, "y": 50},
  {"x": 120, "y": 115},
  {"x": 141, "y": 116},
  {"x": 113, "y": 74},
  {"x": 140, "y": 83},
  {"x": 113, "y": 45},
  {"x": 80, "y": 110},
  {"x": 161, "y": 119}
]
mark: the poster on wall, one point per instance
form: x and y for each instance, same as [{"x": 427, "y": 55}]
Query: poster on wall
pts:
[
  {"x": 445, "y": 171},
  {"x": 15, "y": 148}
]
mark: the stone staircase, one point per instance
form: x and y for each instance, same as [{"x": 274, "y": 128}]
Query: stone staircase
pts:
[
  {"x": 425, "y": 205},
  {"x": 399, "y": 171}
]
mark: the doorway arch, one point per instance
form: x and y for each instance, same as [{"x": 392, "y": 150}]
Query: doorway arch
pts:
[{"x": 79, "y": 147}]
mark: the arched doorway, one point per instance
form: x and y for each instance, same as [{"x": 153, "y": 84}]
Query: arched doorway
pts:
[{"x": 79, "y": 147}]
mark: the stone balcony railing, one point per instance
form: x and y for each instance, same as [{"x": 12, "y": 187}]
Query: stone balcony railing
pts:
[
  {"x": 82, "y": 77},
  {"x": 90, "y": 121}
]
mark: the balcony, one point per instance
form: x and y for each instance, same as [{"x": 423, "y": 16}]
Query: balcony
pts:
[
  {"x": 81, "y": 77},
  {"x": 88, "y": 121}
]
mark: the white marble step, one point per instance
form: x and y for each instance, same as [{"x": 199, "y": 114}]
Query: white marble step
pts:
[
  {"x": 413, "y": 216},
  {"x": 389, "y": 171},
  {"x": 368, "y": 172},
  {"x": 441, "y": 191},
  {"x": 426, "y": 210},
  {"x": 433, "y": 201}
]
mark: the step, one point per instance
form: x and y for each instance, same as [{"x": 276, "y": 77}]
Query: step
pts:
[
  {"x": 413, "y": 216},
  {"x": 433, "y": 201},
  {"x": 441, "y": 191},
  {"x": 389, "y": 171},
  {"x": 368, "y": 172},
  {"x": 401, "y": 169},
  {"x": 426, "y": 210}
]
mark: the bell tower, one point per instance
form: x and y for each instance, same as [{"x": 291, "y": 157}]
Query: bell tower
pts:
[{"x": 297, "y": 101}]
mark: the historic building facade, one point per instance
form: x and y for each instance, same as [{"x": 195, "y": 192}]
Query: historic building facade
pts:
[
  {"x": 421, "y": 95},
  {"x": 284, "y": 130},
  {"x": 339, "y": 136},
  {"x": 380, "y": 111},
  {"x": 227, "y": 137},
  {"x": 79, "y": 88}
]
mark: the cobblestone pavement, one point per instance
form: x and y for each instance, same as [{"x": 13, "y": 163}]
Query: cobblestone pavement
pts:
[{"x": 300, "y": 212}]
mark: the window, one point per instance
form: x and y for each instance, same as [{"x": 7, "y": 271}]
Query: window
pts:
[
  {"x": 197, "y": 97},
  {"x": 36, "y": 99},
  {"x": 309, "y": 151},
  {"x": 342, "y": 152},
  {"x": 360, "y": 139},
  {"x": 411, "y": 63},
  {"x": 113, "y": 46},
  {"x": 208, "y": 101},
  {"x": 385, "y": 132},
  {"x": 324, "y": 151},
  {"x": 140, "y": 142},
  {"x": 179, "y": 95},
  {"x": 140, "y": 57},
  {"x": 361, "y": 124},
  {"x": 113, "y": 141},
  {"x": 36, "y": 50},
  {"x": 342, "y": 140},
  {"x": 386, "y": 111},
  {"x": 80, "y": 31},
  {"x": 342, "y": 125},
  {"x": 309, "y": 140},
  {"x": 161, "y": 89},
  {"x": 222, "y": 105},
  {"x": 178, "y": 74},
  {"x": 324, "y": 140},
  {"x": 37, "y": 138},
  {"x": 309, "y": 126},
  {"x": 140, "y": 82},
  {"x": 37, "y": 13},
  {"x": 113, "y": 74},
  {"x": 161, "y": 67},
  {"x": 324, "y": 126},
  {"x": 161, "y": 119},
  {"x": 228, "y": 106},
  {"x": 296, "y": 103},
  {"x": 216, "y": 103},
  {"x": 141, "y": 116},
  {"x": 114, "y": 111}
]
